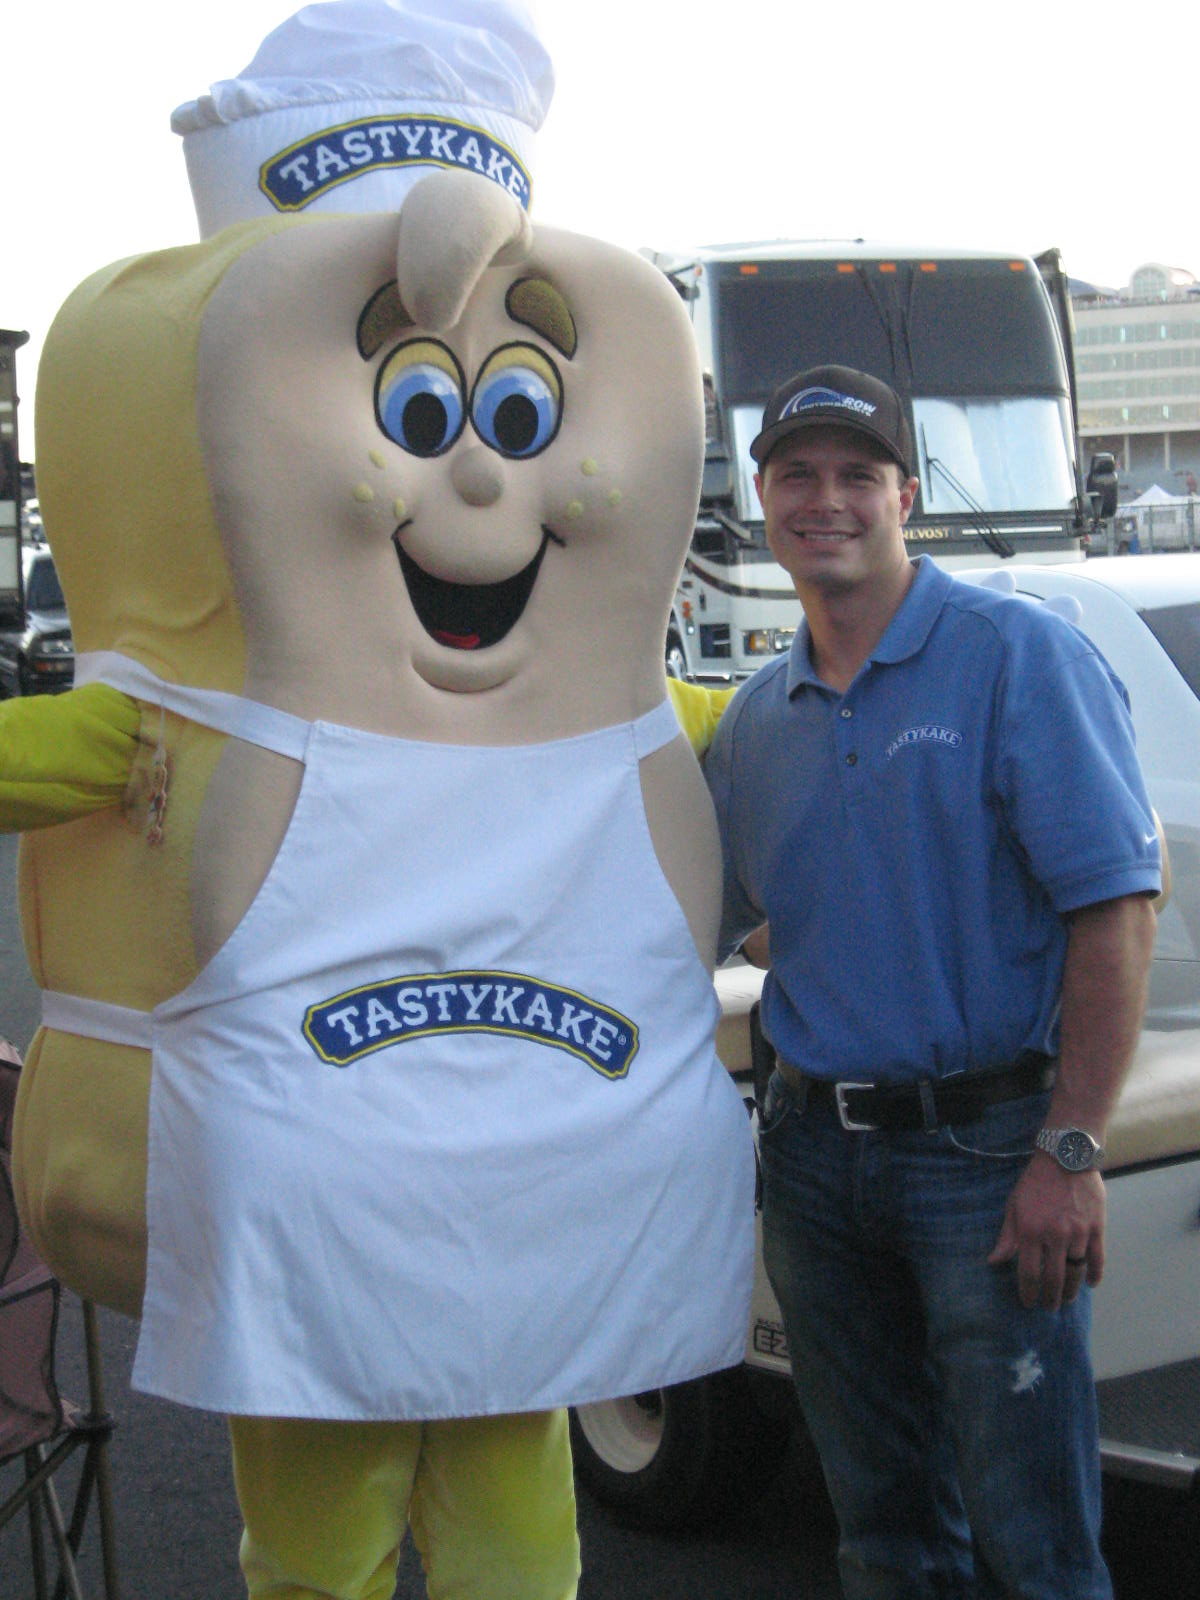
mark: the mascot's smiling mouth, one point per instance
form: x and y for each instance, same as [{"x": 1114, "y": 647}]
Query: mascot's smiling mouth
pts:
[{"x": 469, "y": 616}]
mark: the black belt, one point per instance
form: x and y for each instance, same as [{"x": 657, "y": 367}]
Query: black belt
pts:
[{"x": 929, "y": 1104}]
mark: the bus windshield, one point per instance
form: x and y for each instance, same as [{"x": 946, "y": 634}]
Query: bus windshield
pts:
[
  {"x": 1001, "y": 455},
  {"x": 971, "y": 345}
]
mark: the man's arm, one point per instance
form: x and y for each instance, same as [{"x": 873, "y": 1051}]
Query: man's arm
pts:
[{"x": 1055, "y": 1217}]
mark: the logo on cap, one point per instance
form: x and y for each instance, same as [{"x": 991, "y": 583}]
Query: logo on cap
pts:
[
  {"x": 308, "y": 169},
  {"x": 809, "y": 398}
]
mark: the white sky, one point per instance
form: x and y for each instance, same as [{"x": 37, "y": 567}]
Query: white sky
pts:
[{"x": 674, "y": 122}]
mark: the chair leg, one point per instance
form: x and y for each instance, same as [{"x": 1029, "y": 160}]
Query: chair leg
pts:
[
  {"x": 37, "y": 1543},
  {"x": 104, "y": 1496},
  {"x": 67, "y": 1587}
]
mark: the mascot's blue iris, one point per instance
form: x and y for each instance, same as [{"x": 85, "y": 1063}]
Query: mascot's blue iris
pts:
[
  {"x": 420, "y": 406},
  {"x": 515, "y": 410}
]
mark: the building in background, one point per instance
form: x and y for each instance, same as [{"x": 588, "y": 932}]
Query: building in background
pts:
[{"x": 1137, "y": 365}]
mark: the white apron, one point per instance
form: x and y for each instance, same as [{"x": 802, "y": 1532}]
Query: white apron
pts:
[{"x": 440, "y": 1131}]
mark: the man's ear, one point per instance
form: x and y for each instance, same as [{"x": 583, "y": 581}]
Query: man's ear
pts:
[
  {"x": 908, "y": 496},
  {"x": 453, "y": 227},
  {"x": 758, "y": 485}
]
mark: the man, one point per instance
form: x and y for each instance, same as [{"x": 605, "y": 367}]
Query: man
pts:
[{"x": 957, "y": 976}]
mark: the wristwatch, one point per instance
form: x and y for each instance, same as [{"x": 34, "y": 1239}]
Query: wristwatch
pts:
[{"x": 1074, "y": 1149}]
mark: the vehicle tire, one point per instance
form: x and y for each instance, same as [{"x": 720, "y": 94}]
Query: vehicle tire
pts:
[
  {"x": 670, "y": 1457},
  {"x": 677, "y": 666}
]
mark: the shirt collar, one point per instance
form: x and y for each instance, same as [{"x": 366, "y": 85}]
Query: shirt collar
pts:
[{"x": 904, "y": 635}]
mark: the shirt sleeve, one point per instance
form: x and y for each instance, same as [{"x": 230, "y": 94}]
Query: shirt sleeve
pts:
[
  {"x": 1070, "y": 783},
  {"x": 739, "y": 915},
  {"x": 65, "y": 756}
]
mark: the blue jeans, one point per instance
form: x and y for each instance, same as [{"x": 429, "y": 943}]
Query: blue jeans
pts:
[{"x": 956, "y": 1430}]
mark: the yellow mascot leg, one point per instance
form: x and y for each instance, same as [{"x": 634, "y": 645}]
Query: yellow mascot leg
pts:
[
  {"x": 491, "y": 1502},
  {"x": 324, "y": 1505},
  {"x": 493, "y": 1509}
]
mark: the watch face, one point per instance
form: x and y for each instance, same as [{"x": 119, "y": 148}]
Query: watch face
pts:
[{"x": 1075, "y": 1151}]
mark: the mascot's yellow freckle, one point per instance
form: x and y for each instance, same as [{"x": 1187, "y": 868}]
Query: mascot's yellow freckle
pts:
[{"x": 377, "y": 1070}]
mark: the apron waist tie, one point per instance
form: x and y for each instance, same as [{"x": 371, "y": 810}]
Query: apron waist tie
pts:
[{"x": 96, "y": 1019}]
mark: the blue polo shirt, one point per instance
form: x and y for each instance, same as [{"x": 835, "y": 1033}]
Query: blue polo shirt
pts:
[{"x": 915, "y": 842}]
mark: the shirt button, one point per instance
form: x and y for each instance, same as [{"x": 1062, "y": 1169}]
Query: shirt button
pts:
[
  {"x": 851, "y": 759},
  {"x": 846, "y": 711}
]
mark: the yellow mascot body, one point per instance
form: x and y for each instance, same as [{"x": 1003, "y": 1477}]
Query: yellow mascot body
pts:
[{"x": 414, "y": 490}]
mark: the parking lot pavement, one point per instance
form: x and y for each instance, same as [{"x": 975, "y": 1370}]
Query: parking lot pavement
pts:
[{"x": 178, "y": 1525}]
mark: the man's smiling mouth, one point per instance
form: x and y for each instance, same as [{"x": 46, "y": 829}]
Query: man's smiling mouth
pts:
[{"x": 469, "y": 616}]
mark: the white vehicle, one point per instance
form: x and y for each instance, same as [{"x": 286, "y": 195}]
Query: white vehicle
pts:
[
  {"x": 978, "y": 348},
  {"x": 668, "y": 1454}
]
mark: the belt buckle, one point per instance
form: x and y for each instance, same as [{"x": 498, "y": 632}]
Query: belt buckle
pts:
[{"x": 839, "y": 1097}]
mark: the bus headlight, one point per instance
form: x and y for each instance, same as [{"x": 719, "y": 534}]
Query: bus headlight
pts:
[{"x": 768, "y": 641}]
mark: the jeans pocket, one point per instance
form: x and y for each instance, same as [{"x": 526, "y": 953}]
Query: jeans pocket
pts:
[{"x": 1005, "y": 1132}]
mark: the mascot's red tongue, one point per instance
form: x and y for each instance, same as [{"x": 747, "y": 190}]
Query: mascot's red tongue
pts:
[{"x": 457, "y": 641}]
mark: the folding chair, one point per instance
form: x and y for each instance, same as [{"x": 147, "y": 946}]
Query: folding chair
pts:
[{"x": 40, "y": 1431}]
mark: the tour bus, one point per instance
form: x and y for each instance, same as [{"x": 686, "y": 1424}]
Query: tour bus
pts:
[{"x": 977, "y": 345}]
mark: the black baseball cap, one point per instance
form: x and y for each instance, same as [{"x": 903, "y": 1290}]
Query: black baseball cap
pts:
[{"x": 844, "y": 398}]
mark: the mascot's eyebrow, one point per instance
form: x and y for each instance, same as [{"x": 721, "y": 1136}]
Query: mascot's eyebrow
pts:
[
  {"x": 533, "y": 302},
  {"x": 537, "y": 304},
  {"x": 383, "y": 314}
]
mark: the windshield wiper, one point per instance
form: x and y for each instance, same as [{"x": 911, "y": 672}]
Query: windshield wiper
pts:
[
  {"x": 988, "y": 532},
  {"x": 741, "y": 533}
]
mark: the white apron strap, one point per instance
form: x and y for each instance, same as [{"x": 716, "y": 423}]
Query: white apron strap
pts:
[
  {"x": 95, "y": 1019},
  {"x": 258, "y": 724},
  {"x": 655, "y": 729}
]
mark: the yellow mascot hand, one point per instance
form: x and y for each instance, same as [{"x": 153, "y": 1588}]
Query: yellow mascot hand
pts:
[
  {"x": 698, "y": 710},
  {"x": 65, "y": 756}
]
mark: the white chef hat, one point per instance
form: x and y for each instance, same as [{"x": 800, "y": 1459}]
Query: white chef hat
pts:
[{"x": 349, "y": 102}]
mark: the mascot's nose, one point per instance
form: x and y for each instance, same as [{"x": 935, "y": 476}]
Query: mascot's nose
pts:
[{"x": 477, "y": 475}]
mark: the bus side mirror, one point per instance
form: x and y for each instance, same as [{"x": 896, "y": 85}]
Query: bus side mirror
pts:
[
  {"x": 717, "y": 483},
  {"x": 1102, "y": 485}
]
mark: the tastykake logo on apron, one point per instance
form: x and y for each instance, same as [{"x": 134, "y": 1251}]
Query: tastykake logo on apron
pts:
[{"x": 348, "y": 1026}]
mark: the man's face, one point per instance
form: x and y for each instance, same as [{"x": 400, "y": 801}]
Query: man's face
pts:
[{"x": 835, "y": 507}]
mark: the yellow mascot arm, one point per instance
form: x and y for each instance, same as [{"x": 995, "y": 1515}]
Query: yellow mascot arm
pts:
[
  {"x": 698, "y": 710},
  {"x": 65, "y": 756}
]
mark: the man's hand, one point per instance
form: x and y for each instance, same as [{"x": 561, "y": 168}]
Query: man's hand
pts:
[{"x": 1054, "y": 1229}]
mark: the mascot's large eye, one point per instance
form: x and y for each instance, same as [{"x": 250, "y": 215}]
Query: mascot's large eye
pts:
[
  {"x": 517, "y": 403},
  {"x": 419, "y": 397}
]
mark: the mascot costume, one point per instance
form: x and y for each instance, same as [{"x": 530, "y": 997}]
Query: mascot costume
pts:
[{"x": 373, "y": 888}]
